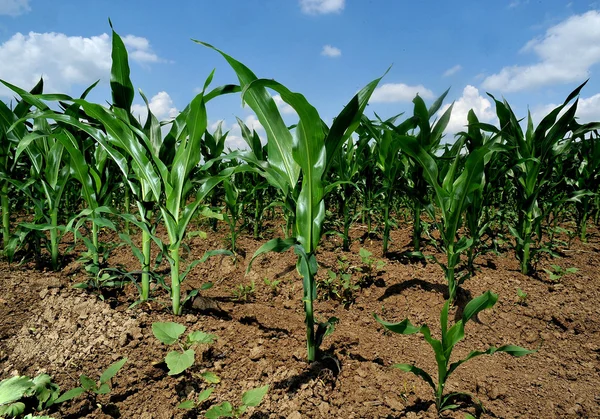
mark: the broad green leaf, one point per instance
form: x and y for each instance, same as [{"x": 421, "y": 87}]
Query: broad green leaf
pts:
[
  {"x": 168, "y": 332},
  {"x": 223, "y": 410},
  {"x": 255, "y": 396},
  {"x": 201, "y": 337},
  {"x": 188, "y": 404},
  {"x": 280, "y": 141},
  {"x": 210, "y": 377},
  {"x": 103, "y": 389},
  {"x": 12, "y": 410},
  {"x": 275, "y": 245},
  {"x": 205, "y": 394},
  {"x": 120, "y": 83},
  {"x": 87, "y": 383},
  {"x": 178, "y": 362},
  {"x": 12, "y": 389}
]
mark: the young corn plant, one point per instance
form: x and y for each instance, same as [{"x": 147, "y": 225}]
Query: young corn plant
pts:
[
  {"x": 478, "y": 217},
  {"x": 584, "y": 174},
  {"x": 428, "y": 137},
  {"x": 49, "y": 175},
  {"x": 162, "y": 169},
  {"x": 533, "y": 156},
  {"x": 450, "y": 336},
  {"x": 309, "y": 151},
  {"x": 389, "y": 164},
  {"x": 453, "y": 188},
  {"x": 9, "y": 139}
]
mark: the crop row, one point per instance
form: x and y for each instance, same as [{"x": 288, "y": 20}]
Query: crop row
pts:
[{"x": 77, "y": 167}]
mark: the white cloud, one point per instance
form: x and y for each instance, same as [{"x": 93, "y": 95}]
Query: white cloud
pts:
[
  {"x": 314, "y": 7},
  {"x": 470, "y": 99},
  {"x": 566, "y": 54},
  {"x": 329, "y": 51},
  {"x": 14, "y": 7},
  {"x": 161, "y": 106},
  {"x": 284, "y": 108},
  {"x": 253, "y": 123},
  {"x": 588, "y": 110},
  {"x": 452, "y": 70},
  {"x": 399, "y": 92},
  {"x": 63, "y": 60}
]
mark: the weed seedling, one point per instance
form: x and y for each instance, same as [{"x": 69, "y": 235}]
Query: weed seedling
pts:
[
  {"x": 195, "y": 404},
  {"x": 557, "y": 272},
  {"x": 370, "y": 266},
  {"x": 91, "y": 387},
  {"x": 250, "y": 398},
  {"x": 177, "y": 362},
  {"x": 273, "y": 285},
  {"x": 243, "y": 292}
]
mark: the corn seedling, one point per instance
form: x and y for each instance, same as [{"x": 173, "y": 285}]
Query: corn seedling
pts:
[
  {"x": 453, "y": 187},
  {"x": 522, "y": 295},
  {"x": 170, "y": 333},
  {"x": 443, "y": 348}
]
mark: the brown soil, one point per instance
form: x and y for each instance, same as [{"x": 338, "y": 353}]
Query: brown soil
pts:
[{"x": 46, "y": 326}]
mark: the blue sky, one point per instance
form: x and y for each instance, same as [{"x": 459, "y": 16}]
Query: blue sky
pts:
[{"x": 531, "y": 52}]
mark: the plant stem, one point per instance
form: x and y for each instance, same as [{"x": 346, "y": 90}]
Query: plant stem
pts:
[
  {"x": 146, "y": 239},
  {"x": 5, "y": 213},
  {"x": 311, "y": 346},
  {"x": 54, "y": 238},
  {"x": 450, "y": 273},
  {"x": 386, "y": 220},
  {"x": 417, "y": 227},
  {"x": 257, "y": 217},
  {"x": 175, "y": 285},
  {"x": 95, "y": 257},
  {"x": 127, "y": 205}
]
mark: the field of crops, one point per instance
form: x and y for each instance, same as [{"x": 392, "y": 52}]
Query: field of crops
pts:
[{"x": 149, "y": 272}]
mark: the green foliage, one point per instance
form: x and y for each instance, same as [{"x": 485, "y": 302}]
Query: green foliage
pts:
[
  {"x": 443, "y": 348},
  {"x": 370, "y": 266},
  {"x": 522, "y": 296},
  {"x": 273, "y": 285},
  {"x": 170, "y": 333},
  {"x": 243, "y": 292},
  {"x": 19, "y": 393},
  {"x": 250, "y": 398},
  {"x": 91, "y": 387},
  {"x": 557, "y": 272}
]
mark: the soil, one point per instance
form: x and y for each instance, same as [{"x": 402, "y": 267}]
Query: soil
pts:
[{"x": 48, "y": 326}]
